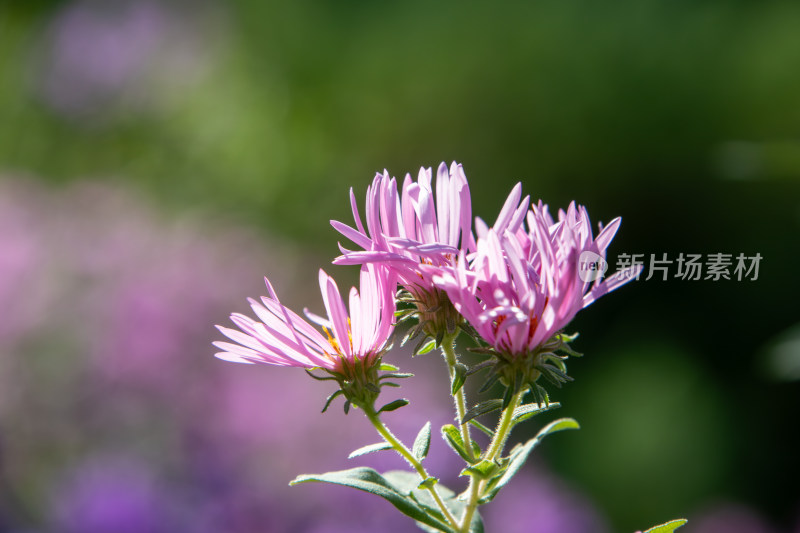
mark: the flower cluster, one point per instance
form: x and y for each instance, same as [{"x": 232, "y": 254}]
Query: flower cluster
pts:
[{"x": 512, "y": 287}]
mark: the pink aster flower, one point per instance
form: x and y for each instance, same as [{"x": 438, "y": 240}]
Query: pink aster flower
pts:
[
  {"x": 405, "y": 230},
  {"x": 283, "y": 338},
  {"x": 521, "y": 288},
  {"x": 410, "y": 231}
]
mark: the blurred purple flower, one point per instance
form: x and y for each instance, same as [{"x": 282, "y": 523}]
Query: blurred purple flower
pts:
[
  {"x": 20, "y": 265},
  {"x": 98, "y": 54},
  {"x": 542, "y": 504},
  {"x": 729, "y": 518},
  {"x": 121, "y": 371},
  {"x": 112, "y": 494}
]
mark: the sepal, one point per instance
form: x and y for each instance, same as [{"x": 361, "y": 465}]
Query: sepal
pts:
[
  {"x": 392, "y": 406},
  {"x": 424, "y": 346},
  {"x": 362, "y": 384},
  {"x": 330, "y": 399}
]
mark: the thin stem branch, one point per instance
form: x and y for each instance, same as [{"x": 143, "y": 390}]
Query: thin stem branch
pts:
[
  {"x": 401, "y": 448},
  {"x": 503, "y": 430},
  {"x": 494, "y": 451},
  {"x": 460, "y": 398}
]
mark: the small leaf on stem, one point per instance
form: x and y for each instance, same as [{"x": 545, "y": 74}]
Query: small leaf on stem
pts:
[
  {"x": 369, "y": 480},
  {"x": 482, "y": 470},
  {"x": 520, "y": 454},
  {"x": 459, "y": 376},
  {"x": 529, "y": 410},
  {"x": 483, "y": 428},
  {"x": 428, "y": 482},
  {"x": 452, "y": 436},
  {"x": 370, "y": 448},
  {"x": 481, "y": 409},
  {"x": 423, "y": 442}
]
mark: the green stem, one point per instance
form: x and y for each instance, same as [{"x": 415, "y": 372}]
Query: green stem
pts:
[
  {"x": 460, "y": 398},
  {"x": 401, "y": 448},
  {"x": 503, "y": 430},
  {"x": 492, "y": 453}
]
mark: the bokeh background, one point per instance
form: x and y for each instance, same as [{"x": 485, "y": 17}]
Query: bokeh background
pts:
[{"x": 158, "y": 158}]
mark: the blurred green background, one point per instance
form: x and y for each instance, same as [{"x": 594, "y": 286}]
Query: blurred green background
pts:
[{"x": 682, "y": 117}]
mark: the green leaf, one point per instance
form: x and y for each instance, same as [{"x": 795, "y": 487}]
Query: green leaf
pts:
[
  {"x": 459, "y": 376},
  {"x": 483, "y": 428},
  {"x": 429, "y": 481},
  {"x": 386, "y": 367},
  {"x": 452, "y": 436},
  {"x": 520, "y": 454},
  {"x": 423, "y": 442},
  {"x": 409, "y": 483},
  {"x": 557, "y": 425},
  {"x": 482, "y": 470},
  {"x": 369, "y": 480},
  {"x": 370, "y": 448},
  {"x": 528, "y": 410},
  {"x": 669, "y": 527},
  {"x": 481, "y": 409},
  {"x": 391, "y": 406}
]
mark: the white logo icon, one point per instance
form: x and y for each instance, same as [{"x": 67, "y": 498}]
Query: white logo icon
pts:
[{"x": 591, "y": 266}]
